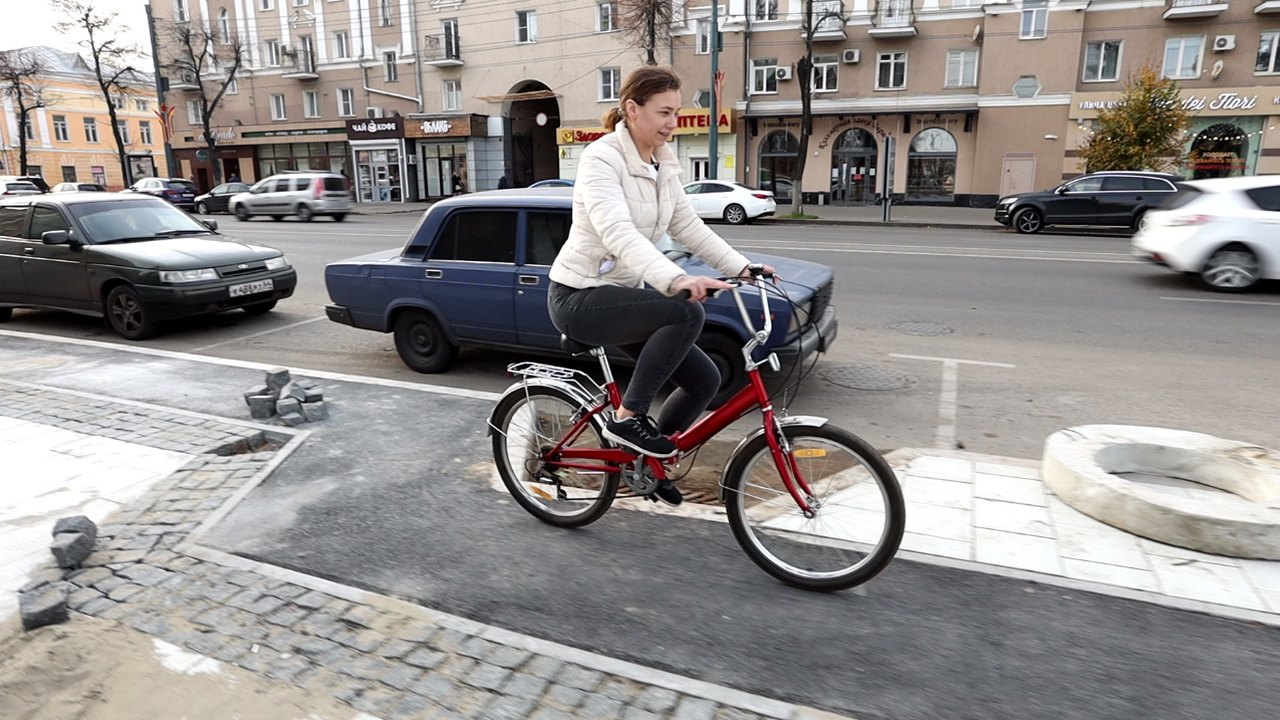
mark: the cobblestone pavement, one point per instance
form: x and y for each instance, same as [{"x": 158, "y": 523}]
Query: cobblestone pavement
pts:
[{"x": 381, "y": 656}]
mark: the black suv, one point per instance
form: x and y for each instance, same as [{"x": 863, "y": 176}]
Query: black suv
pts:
[{"x": 1114, "y": 199}]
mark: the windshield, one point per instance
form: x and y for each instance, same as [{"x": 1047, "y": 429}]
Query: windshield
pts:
[
  {"x": 111, "y": 221},
  {"x": 21, "y": 186},
  {"x": 180, "y": 185}
]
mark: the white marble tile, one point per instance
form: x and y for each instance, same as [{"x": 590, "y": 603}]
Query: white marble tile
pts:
[
  {"x": 1205, "y": 581},
  {"x": 1111, "y": 574},
  {"x": 944, "y": 547},
  {"x": 1101, "y": 544},
  {"x": 1012, "y": 517},
  {"x": 1151, "y": 547},
  {"x": 1018, "y": 471},
  {"x": 1063, "y": 514},
  {"x": 1270, "y": 598},
  {"x": 931, "y": 491},
  {"x": 944, "y": 522},
  {"x": 1262, "y": 573},
  {"x": 1009, "y": 489},
  {"x": 1015, "y": 550},
  {"x": 942, "y": 468}
]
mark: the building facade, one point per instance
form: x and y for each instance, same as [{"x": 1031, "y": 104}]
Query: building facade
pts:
[
  {"x": 932, "y": 101},
  {"x": 69, "y": 138}
]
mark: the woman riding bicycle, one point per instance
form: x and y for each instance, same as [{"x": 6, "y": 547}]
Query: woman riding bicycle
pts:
[{"x": 626, "y": 196}]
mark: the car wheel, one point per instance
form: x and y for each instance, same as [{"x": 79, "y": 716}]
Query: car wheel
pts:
[
  {"x": 202, "y": 209},
  {"x": 5, "y": 314},
  {"x": 259, "y": 308},
  {"x": 1028, "y": 220},
  {"x": 735, "y": 215},
  {"x": 304, "y": 213},
  {"x": 339, "y": 217},
  {"x": 421, "y": 342},
  {"x": 726, "y": 353},
  {"x": 1232, "y": 268},
  {"x": 277, "y": 218},
  {"x": 242, "y": 213},
  {"x": 128, "y": 315},
  {"x": 1142, "y": 222}
]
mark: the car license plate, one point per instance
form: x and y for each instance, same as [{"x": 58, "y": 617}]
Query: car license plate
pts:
[{"x": 251, "y": 288}]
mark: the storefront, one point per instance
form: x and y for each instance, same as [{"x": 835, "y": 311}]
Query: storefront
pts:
[
  {"x": 378, "y": 152},
  {"x": 232, "y": 156},
  {"x": 441, "y": 146},
  {"x": 692, "y": 144}
]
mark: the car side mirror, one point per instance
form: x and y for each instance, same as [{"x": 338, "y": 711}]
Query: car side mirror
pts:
[
  {"x": 211, "y": 224},
  {"x": 55, "y": 237}
]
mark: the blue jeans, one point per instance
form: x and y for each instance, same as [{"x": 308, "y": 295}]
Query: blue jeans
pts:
[{"x": 657, "y": 331}]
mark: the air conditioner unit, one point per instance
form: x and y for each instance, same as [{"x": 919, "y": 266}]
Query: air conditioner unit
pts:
[
  {"x": 851, "y": 56},
  {"x": 1223, "y": 43},
  {"x": 373, "y": 112},
  {"x": 784, "y": 73}
]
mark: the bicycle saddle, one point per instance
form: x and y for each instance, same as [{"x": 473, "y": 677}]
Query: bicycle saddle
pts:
[{"x": 574, "y": 347}]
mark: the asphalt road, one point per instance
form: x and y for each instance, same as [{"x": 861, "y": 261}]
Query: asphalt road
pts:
[{"x": 1091, "y": 335}]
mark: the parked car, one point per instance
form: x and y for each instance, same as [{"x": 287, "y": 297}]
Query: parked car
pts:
[
  {"x": 474, "y": 272},
  {"x": 77, "y": 187},
  {"x": 216, "y": 200},
  {"x": 304, "y": 194},
  {"x": 1226, "y": 231},
  {"x": 41, "y": 185},
  {"x": 133, "y": 259},
  {"x": 17, "y": 187},
  {"x": 729, "y": 201},
  {"x": 176, "y": 190},
  {"x": 1111, "y": 199},
  {"x": 781, "y": 187},
  {"x": 555, "y": 182}
]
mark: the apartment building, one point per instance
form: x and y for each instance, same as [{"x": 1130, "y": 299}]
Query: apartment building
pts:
[
  {"x": 69, "y": 138},
  {"x": 938, "y": 101}
]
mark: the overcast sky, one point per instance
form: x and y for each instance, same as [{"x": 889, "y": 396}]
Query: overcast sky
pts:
[{"x": 34, "y": 24}]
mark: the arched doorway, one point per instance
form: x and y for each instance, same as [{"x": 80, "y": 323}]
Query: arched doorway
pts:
[
  {"x": 533, "y": 115},
  {"x": 853, "y": 168},
  {"x": 1218, "y": 151},
  {"x": 778, "y": 165},
  {"x": 931, "y": 166}
]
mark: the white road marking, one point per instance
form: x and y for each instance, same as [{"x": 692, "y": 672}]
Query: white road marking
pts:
[
  {"x": 948, "y": 401},
  {"x": 1222, "y": 300},
  {"x": 242, "y": 338},
  {"x": 984, "y": 256}
]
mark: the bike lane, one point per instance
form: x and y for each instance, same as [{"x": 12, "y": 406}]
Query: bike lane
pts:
[{"x": 393, "y": 494}]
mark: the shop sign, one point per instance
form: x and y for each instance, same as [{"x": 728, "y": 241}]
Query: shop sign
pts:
[
  {"x": 439, "y": 127},
  {"x": 307, "y": 132},
  {"x": 375, "y": 128},
  {"x": 870, "y": 122},
  {"x": 435, "y": 127},
  {"x": 689, "y": 121},
  {"x": 1230, "y": 101}
]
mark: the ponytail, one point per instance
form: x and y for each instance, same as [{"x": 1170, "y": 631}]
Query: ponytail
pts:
[{"x": 611, "y": 118}]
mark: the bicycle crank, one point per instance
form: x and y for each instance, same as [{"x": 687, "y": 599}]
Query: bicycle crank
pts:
[{"x": 640, "y": 478}]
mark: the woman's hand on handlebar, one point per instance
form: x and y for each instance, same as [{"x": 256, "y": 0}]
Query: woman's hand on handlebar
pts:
[{"x": 698, "y": 287}]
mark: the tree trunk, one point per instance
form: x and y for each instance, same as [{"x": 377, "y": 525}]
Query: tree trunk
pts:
[
  {"x": 115, "y": 133},
  {"x": 24, "y": 121},
  {"x": 653, "y": 37}
]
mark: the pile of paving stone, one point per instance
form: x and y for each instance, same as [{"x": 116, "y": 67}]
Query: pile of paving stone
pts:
[
  {"x": 43, "y": 600},
  {"x": 293, "y": 401}
]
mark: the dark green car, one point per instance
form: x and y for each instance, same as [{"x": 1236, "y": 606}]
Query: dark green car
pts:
[{"x": 136, "y": 260}]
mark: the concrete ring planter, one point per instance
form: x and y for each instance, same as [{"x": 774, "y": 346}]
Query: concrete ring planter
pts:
[{"x": 1080, "y": 463}]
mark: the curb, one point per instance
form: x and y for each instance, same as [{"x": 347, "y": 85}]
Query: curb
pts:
[{"x": 891, "y": 223}]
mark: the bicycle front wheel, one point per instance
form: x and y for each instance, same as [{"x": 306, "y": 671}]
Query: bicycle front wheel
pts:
[
  {"x": 858, "y": 514},
  {"x": 528, "y": 425}
]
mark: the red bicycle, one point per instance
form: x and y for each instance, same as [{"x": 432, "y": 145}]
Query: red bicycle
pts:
[{"x": 810, "y": 503}]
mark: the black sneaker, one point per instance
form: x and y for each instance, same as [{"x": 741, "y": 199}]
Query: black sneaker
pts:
[
  {"x": 639, "y": 434},
  {"x": 668, "y": 493}
]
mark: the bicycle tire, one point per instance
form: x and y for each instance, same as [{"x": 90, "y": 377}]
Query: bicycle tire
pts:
[
  {"x": 762, "y": 513},
  {"x": 589, "y": 493}
]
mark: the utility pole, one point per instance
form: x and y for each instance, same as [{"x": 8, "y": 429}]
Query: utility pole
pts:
[
  {"x": 171, "y": 163},
  {"x": 713, "y": 163}
]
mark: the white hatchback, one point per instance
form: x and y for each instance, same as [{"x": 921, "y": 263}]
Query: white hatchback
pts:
[
  {"x": 729, "y": 201},
  {"x": 1225, "y": 230}
]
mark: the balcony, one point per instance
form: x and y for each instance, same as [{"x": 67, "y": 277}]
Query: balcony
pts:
[
  {"x": 304, "y": 66},
  {"x": 442, "y": 50},
  {"x": 186, "y": 81},
  {"x": 1180, "y": 9},
  {"x": 1266, "y": 7},
  {"x": 828, "y": 20},
  {"x": 893, "y": 19}
]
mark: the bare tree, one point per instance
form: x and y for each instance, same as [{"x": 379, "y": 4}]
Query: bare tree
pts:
[
  {"x": 110, "y": 59},
  {"x": 198, "y": 55},
  {"x": 647, "y": 23},
  {"x": 19, "y": 72},
  {"x": 827, "y": 15}
]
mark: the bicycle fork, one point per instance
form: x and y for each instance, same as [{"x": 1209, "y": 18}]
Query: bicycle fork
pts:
[{"x": 785, "y": 460}]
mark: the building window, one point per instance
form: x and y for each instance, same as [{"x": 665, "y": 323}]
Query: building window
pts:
[
  {"x": 90, "y": 130},
  {"x": 342, "y": 44},
  {"x": 702, "y": 98},
  {"x": 606, "y": 17},
  {"x": 452, "y": 95},
  {"x": 99, "y": 174},
  {"x": 1182, "y": 57},
  {"x": 390, "y": 72},
  {"x": 118, "y": 101},
  {"x": 1102, "y": 61},
  {"x": 311, "y": 104},
  {"x": 29, "y": 128},
  {"x": 385, "y": 13},
  {"x": 301, "y": 3},
  {"x": 277, "y": 108},
  {"x": 891, "y": 70},
  {"x": 144, "y": 132},
  {"x": 962, "y": 68},
  {"x": 526, "y": 26},
  {"x": 766, "y": 10},
  {"x": 141, "y": 105},
  {"x": 1035, "y": 19},
  {"x": 610, "y": 82},
  {"x": 931, "y": 165},
  {"x": 233, "y": 88},
  {"x": 825, "y": 73},
  {"x": 266, "y": 5},
  {"x": 449, "y": 28},
  {"x": 122, "y": 126},
  {"x": 1268, "y": 58},
  {"x": 68, "y": 173},
  {"x": 702, "y": 43},
  {"x": 193, "y": 113},
  {"x": 60, "y": 128},
  {"x": 224, "y": 26},
  {"x": 180, "y": 11},
  {"x": 346, "y": 102},
  {"x": 764, "y": 75},
  {"x": 273, "y": 53}
]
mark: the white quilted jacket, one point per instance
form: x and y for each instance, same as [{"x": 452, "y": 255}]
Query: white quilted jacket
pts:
[{"x": 621, "y": 208}]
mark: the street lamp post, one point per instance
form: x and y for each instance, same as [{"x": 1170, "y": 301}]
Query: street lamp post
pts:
[{"x": 713, "y": 162}]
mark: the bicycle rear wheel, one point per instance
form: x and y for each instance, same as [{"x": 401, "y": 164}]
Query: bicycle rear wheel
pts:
[
  {"x": 527, "y": 425},
  {"x": 859, "y": 514}
]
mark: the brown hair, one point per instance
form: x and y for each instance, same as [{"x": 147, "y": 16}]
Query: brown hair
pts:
[{"x": 643, "y": 83}]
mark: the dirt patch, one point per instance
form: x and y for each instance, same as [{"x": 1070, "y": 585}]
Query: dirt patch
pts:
[{"x": 702, "y": 482}]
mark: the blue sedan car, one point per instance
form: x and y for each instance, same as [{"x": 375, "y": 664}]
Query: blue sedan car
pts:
[{"x": 474, "y": 272}]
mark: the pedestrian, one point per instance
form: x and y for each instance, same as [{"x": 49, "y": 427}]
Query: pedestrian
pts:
[
  {"x": 502, "y": 182},
  {"x": 457, "y": 184},
  {"x": 235, "y": 177},
  {"x": 627, "y": 196}
]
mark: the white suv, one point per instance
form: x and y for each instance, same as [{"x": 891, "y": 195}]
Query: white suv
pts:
[{"x": 304, "y": 194}]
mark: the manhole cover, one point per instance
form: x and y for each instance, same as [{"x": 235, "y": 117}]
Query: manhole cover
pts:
[
  {"x": 867, "y": 377},
  {"x": 911, "y": 327}
]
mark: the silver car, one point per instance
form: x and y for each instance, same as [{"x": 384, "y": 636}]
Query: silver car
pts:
[
  {"x": 18, "y": 187},
  {"x": 304, "y": 194}
]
